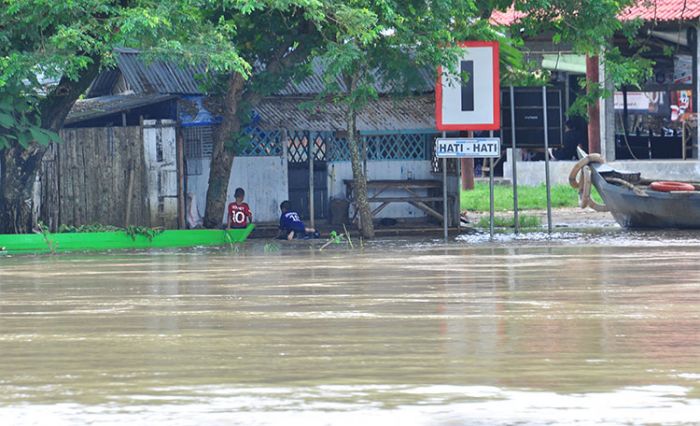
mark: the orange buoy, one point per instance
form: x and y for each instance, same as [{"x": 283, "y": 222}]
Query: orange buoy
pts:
[{"x": 664, "y": 186}]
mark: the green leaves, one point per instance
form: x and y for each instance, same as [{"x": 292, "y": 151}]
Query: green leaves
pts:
[{"x": 19, "y": 123}]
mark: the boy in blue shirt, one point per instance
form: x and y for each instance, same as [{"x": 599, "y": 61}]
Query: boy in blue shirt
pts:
[{"x": 291, "y": 225}]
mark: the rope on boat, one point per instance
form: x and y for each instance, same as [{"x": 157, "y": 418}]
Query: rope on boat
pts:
[
  {"x": 583, "y": 183},
  {"x": 636, "y": 189}
]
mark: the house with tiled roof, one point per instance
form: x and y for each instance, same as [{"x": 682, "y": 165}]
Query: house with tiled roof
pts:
[{"x": 657, "y": 121}]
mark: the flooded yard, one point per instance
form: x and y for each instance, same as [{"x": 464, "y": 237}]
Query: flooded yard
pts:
[{"x": 580, "y": 329}]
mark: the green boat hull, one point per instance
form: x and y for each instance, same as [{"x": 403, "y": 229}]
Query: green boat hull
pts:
[{"x": 120, "y": 240}]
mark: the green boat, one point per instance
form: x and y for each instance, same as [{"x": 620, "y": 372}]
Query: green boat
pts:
[{"x": 119, "y": 240}]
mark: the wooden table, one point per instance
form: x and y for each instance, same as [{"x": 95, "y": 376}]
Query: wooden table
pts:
[{"x": 408, "y": 188}]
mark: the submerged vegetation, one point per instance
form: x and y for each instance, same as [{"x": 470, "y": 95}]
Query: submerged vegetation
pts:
[{"x": 526, "y": 221}]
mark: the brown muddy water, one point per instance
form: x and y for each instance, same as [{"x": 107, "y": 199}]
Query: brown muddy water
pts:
[{"x": 578, "y": 329}]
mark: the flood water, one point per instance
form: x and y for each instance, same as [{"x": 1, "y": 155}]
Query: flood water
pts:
[{"x": 581, "y": 329}]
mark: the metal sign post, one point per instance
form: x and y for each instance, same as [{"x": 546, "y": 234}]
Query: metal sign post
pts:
[
  {"x": 491, "y": 204},
  {"x": 468, "y": 104},
  {"x": 516, "y": 221},
  {"x": 546, "y": 162},
  {"x": 444, "y": 193},
  {"x": 468, "y": 148}
]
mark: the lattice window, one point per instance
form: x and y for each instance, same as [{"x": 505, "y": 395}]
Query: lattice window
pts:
[
  {"x": 198, "y": 145},
  {"x": 339, "y": 149},
  {"x": 263, "y": 144},
  {"x": 396, "y": 147},
  {"x": 298, "y": 146},
  {"x": 414, "y": 146}
]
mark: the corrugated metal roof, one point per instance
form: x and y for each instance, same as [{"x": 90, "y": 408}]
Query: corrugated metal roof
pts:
[
  {"x": 87, "y": 109},
  {"x": 313, "y": 83},
  {"x": 383, "y": 114},
  {"x": 161, "y": 77},
  {"x": 647, "y": 10},
  {"x": 663, "y": 10},
  {"x": 103, "y": 84}
]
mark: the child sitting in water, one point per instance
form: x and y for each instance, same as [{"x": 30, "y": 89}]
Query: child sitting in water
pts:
[
  {"x": 291, "y": 225},
  {"x": 239, "y": 214}
]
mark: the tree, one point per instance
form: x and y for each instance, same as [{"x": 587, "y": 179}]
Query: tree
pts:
[
  {"x": 273, "y": 36},
  {"x": 375, "y": 44},
  {"x": 50, "y": 52}
]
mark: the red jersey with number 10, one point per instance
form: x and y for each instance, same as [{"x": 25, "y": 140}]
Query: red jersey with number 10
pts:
[{"x": 238, "y": 215}]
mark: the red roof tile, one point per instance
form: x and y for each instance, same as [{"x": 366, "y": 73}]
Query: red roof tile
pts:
[
  {"x": 663, "y": 10},
  {"x": 506, "y": 18},
  {"x": 648, "y": 10}
]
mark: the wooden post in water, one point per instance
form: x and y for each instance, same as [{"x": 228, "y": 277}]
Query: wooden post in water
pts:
[
  {"x": 180, "y": 154},
  {"x": 311, "y": 144}
]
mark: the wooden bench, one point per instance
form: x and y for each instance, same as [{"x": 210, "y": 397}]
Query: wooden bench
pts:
[{"x": 409, "y": 187}]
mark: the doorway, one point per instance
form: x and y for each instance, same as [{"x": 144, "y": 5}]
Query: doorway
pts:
[{"x": 299, "y": 165}]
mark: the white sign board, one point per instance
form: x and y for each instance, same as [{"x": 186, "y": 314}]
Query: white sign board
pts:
[
  {"x": 472, "y": 103},
  {"x": 468, "y": 148}
]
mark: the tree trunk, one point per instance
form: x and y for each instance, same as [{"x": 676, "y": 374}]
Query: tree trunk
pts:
[
  {"x": 223, "y": 154},
  {"x": 359, "y": 189},
  {"x": 19, "y": 167}
]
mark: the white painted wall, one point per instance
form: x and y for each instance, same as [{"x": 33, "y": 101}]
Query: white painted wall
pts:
[
  {"x": 264, "y": 180},
  {"x": 382, "y": 169},
  {"x": 531, "y": 173}
]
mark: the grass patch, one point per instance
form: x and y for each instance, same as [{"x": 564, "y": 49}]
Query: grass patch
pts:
[
  {"x": 529, "y": 197},
  {"x": 526, "y": 221}
]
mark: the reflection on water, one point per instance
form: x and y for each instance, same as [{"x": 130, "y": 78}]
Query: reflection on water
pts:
[{"x": 575, "y": 329}]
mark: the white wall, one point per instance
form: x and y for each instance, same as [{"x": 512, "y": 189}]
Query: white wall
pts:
[
  {"x": 532, "y": 173},
  {"x": 264, "y": 180},
  {"x": 382, "y": 169}
]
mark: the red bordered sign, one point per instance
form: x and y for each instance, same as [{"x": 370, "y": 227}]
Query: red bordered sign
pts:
[{"x": 475, "y": 104}]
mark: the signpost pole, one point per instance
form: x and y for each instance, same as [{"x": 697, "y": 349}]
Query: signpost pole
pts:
[
  {"x": 514, "y": 159},
  {"x": 491, "y": 206},
  {"x": 444, "y": 193},
  {"x": 546, "y": 161}
]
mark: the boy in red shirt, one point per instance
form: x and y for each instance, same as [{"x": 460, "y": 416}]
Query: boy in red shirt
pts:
[{"x": 239, "y": 215}]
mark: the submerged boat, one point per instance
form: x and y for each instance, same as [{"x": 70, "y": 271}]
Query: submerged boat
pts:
[
  {"x": 636, "y": 202},
  {"x": 119, "y": 240}
]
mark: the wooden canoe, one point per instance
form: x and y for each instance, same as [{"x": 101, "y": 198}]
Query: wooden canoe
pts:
[
  {"x": 646, "y": 208},
  {"x": 119, "y": 240}
]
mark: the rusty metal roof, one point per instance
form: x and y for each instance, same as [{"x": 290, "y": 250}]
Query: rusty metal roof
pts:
[
  {"x": 88, "y": 109},
  {"x": 383, "y": 114}
]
